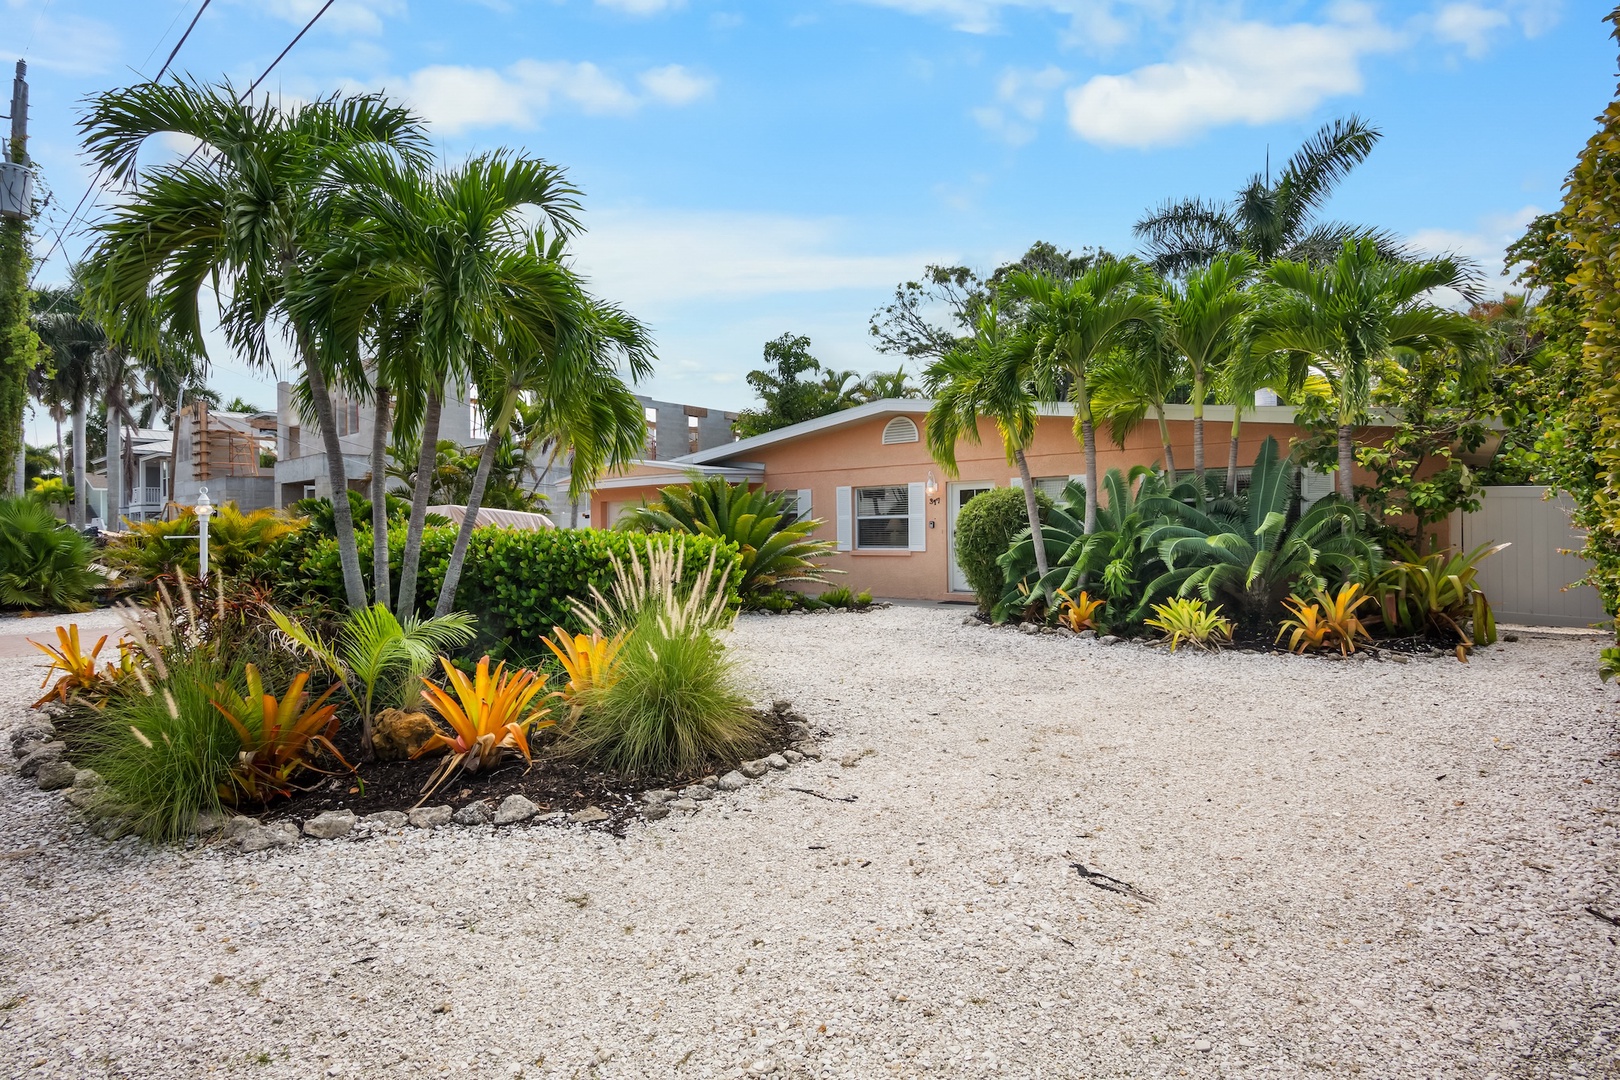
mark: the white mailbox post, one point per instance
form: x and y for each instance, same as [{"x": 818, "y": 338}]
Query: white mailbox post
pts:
[{"x": 205, "y": 510}]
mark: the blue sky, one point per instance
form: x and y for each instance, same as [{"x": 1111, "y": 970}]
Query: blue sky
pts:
[{"x": 755, "y": 168}]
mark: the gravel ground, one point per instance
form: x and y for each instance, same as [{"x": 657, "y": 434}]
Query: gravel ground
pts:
[{"x": 1370, "y": 868}]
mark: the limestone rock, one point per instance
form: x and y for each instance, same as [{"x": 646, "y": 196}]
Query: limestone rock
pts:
[
  {"x": 753, "y": 770},
  {"x": 685, "y": 806},
  {"x": 264, "y": 838},
  {"x": 210, "y": 821},
  {"x": 655, "y": 811},
  {"x": 429, "y": 817},
  {"x": 792, "y": 757},
  {"x": 329, "y": 825},
  {"x": 474, "y": 813},
  {"x": 515, "y": 808},
  {"x": 697, "y": 792},
  {"x": 55, "y": 775},
  {"x": 396, "y": 734},
  {"x": 589, "y": 816},
  {"x": 386, "y": 819},
  {"x": 87, "y": 778},
  {"x": 83, "y": 798},
  {"x": 43, "y": 755},
  {"x": 733, "y": 781},
  {"x": 777, "y": 761},
  {"x": 239, "y": 826},
  {"x": 33, "y": 734},
  {"x": 657, "y": 796}
]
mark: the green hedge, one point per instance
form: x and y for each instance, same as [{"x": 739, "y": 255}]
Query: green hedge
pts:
[
  {"x": 517, "y": 583},
  {"x": 984, "y": 532}
]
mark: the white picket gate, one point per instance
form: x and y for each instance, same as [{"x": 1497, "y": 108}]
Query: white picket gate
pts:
[{"x": 1529, "y": 583}]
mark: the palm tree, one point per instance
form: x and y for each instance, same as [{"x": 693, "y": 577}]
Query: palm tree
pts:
[
  {"x": 433, "y": 269},
  {"x": 1204, "y": 324},
  {"x": 983, "y": 378},
  {"x": 249, "y": 207},
  {"x": 573, "y": 376},
  {"x": 1247, "y": 372},
  {"x": 75, "y": 341},
  {"x": 1343, "y": 319},
  {"x": 1270, "y": 219},
  {"x": 1070, "y": 324},
  {"x": 1135, "y": 377}
]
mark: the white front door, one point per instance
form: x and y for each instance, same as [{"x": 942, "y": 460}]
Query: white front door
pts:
[{"x": 959, "y": 494}]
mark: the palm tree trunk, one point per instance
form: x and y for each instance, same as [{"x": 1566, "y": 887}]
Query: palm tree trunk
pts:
[
  {"x": 1232, "y": 452},
  {"x": 1347, "y": 460},
  {"x": 354, "y": 583},
  {"x": 1198, "y": 426},
  {"x": 1033, "y": 509},
  {"x": 469, "y": 521},
  {"x": 406, "y": 605},
  {"x": 1164, "y": 439},
  {"x": 81, "y": 489},
  {"x": 115, "y": 467},
  {"x": 382, "y": 590},
  {"x": 1088, "y": 442}
]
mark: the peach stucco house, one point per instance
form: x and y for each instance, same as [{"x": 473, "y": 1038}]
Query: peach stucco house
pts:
[{"x": 891, "y": 509}]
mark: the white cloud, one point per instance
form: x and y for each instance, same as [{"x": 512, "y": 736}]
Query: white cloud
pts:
[
  {"x": 1021, "y": 97},
  {"x": 641, "y": 7},
  {"x": 1233, "y": 72},
  {"x": 1468, "y": 25},
  {"x": 1485, "y": 245},
  {"x": 457, "y": 98},
  {"x": 349, "y": 17},
  {"x": 66, "y": 44},
  {"x": 676, "y": 85},
  {"x": 654, "y": 261},
  {"x": 1091, "y": 22}
]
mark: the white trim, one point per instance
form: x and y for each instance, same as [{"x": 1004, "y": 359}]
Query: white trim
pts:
[
  {"x": 917, "y": 511},
  {"x": 803, "y": 505},
  {"x": 845, "y": 499},
  {"x": 676, "y": 472}
]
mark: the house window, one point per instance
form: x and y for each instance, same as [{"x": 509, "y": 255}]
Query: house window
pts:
[
  {"x": 1053, "y": 485},
  {"x": 902, "y": 429},
  {"x": 883, "y": 518}
]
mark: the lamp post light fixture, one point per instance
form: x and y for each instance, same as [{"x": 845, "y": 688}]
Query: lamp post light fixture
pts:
[
  {"x": 932, "y": 487},
  {"x": 205, "y": 510}
]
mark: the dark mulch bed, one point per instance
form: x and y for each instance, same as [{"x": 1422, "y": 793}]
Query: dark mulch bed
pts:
[{"x": 552, "y": 784}]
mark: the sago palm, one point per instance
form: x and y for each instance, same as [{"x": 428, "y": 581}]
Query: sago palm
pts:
[
  {"x": 1344, "y": 319},
  {"x": 250, "y": 206}
]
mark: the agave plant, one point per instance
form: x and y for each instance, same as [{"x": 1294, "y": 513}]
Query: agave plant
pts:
[
  {"x": 1190, "y": 620},
  {"x": 487, "y": 714},
  {"x": 43, "y": 563},
  {"x": 775, "y": 547},
  {"x": 376, "y": 657},
  {"x": 1117, "y": 554},
  {"x": 279, "y": 736},
  {"x": 1437, "y": 594},
  {"x": 1256, "y": 560}
]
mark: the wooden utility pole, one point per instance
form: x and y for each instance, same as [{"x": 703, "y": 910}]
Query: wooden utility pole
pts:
[{"x": 19, "y": 347}]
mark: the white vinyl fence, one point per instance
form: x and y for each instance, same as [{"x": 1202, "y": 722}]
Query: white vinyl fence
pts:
[{"x": 1529, "y": 583}]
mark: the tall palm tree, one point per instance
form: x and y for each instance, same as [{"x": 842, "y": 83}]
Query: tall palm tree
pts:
[
  {"x": 441, "y": 259},
  {"x": 573, "y": 377},
  {"x": 1343, "y": 319},
  {"x": 1071, "y": 323},
  {"x": 1272, "y": 219},
  {"x": 1247, "y": 373},
  {"x": 75, "y": 341},
  {"x": 1204, "y": 324},
  {"x": 984, "y": 378},
  {"x": 249, "y": 208},
  {"x": 1137, "y": 376}
]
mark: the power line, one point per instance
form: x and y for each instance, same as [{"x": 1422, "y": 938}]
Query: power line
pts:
[{"x": 62, "y": 232}]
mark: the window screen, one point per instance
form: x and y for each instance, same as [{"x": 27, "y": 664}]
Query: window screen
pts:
[{"x": 882, "y": 517}]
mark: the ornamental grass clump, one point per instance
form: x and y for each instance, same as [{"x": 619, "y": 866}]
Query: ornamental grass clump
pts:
[{"x": 674, "y": 705}]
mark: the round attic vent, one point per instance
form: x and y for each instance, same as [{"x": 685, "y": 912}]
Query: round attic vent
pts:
[{"x": 901, "y": 429}]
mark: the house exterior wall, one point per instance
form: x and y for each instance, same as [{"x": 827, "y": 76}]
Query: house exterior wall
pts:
[{"x": 854, "y": 456}]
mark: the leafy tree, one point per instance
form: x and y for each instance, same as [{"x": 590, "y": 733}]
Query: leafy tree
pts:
[
  {"x": 789, "y": 397},
  {"x": 1347, "y": 318},
  {"x": 73, "y": 341},
  {"x": 1271, "y": 219},
  {"x": 250, "y": 206}
]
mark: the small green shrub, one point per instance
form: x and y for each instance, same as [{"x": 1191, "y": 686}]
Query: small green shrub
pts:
[
  {"x": 984, "y": 531},
  {"x": 674, "y": 707},
  {"x": 43, "y": 563},
  {"x": 840, "y": 597},
  {"x": 779, "y": 601},
  {"x": 164, "y": 757},
  {"x": 1181, "y": 619},
  {"x": 236, "y": 541}
]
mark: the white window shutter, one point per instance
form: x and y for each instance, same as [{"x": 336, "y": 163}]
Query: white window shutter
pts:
[
  {"x": 1017, "y": 482},
  {"x": 917, "y": 506},
  {"x": 804, "y": 504},
  {"x": 845, "y": 499},
  {"x": 1314, "y": 486}
]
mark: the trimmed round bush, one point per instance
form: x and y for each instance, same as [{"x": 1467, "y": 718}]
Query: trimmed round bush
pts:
[{"x": 984, "y": 531}]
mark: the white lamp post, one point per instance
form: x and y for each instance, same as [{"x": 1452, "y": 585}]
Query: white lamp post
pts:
[{"x": 205, "y": 510}]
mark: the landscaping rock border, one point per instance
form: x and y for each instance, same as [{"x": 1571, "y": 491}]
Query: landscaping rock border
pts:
[{"x": 41, "y": 757}]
